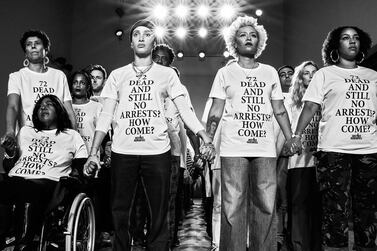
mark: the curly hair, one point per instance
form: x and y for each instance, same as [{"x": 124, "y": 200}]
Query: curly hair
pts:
[
  {"x": 62, "y": 118},
  {"x": 297, "y": 90},
  {"x": 332, "y": 43},
  {"x": 167, "y": 49},
  {"x": 236, "y": 25},
  {"x": 35, "y": 33},
  {"x": 89, "y": 87}
]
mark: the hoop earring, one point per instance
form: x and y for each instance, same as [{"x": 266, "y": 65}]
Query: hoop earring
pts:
[
  {"x": 362, "y": 58},
  {"x": 332, "y": 57},
  {"x": 46, "y": 60},
  {"x": 26, "y": 62}
]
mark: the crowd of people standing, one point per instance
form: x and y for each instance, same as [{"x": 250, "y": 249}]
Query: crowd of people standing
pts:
[{"x": 290, "y": 153}]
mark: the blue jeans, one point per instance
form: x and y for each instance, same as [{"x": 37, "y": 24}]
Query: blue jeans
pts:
[{"x": 248, "y": 193}]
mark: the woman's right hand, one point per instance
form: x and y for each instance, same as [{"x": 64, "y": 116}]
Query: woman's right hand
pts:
[
  {"x": 91, "y": 166},
  {"x": 9, "y": 142}
]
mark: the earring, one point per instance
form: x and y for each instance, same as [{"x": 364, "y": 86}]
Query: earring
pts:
[
  {"x": 26, "y": 62},
  {"x": 332, "y": 57},
  {"x": 362, "y": 58},
  {"x": 46, "y": 60}
]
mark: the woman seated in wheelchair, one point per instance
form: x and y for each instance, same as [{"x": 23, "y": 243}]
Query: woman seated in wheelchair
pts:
[{"x": 42, "y": 155}]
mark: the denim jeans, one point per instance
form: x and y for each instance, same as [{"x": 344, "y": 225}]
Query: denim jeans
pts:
[
  {"x": 154, "y": 172},
  {"x": 281, "y": 198},
  {"x": 248, "y": 194},
  {"x": 216, "y": 210}
]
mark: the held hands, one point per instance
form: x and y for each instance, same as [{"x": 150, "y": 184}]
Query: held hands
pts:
[
  {"x": 208, "y": 152},
  {"x": 91, "y": 166},
  {"x": 9, "y": 143},
  {"x": 292, "y": 146}
]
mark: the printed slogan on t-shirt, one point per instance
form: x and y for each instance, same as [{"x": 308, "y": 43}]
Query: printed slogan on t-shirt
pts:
[{"x": 253, "y": 120}]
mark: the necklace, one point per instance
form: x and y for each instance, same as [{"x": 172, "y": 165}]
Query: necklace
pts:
[
  {"x": 140, "y": 73},
  {"x": 248, "y": 71}
]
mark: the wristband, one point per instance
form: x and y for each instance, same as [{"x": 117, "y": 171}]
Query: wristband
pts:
[{"x": 296, "y": 136}]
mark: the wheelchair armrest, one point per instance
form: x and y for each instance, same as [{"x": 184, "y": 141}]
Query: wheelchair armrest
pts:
[{"x": 70, "y": 181}]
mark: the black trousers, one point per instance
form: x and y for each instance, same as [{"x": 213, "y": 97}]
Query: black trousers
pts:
[
  {"x": 304, "y": 206},
  {"x": 154, "y": 172}
]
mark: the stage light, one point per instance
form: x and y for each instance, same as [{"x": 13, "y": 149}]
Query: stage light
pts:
[
  {"x": 181, "y": 32},
  {"x": 225, "y": 31},
  {"x": 203, "y": 11},
  {"x": 160, "y": 32},
  {"x": 258, "y": 12},
  {"x": 180, "y": 55},
  {"x": 202, "y": 32},
  {"x": 201, "y": 55},
  {"x": 160, "y": 12},
  {"x": 119, "y": 33},
  {"x": 182, "y": 11},
  {"x": 227, "y": 12},
  {"x": 226, "y": 54}
]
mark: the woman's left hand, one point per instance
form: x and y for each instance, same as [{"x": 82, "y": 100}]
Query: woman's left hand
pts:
[{"x": 208, "y": 151}]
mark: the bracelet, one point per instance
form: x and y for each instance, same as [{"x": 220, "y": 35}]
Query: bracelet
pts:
[
  {"x": 9, "y": 157},
  {"x": 296, "y": 136}
]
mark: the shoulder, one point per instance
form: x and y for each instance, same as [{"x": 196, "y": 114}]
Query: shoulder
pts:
[{"x": 121, "y": 70}]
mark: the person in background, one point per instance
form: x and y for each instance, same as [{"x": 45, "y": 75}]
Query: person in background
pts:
[
  {"x": 245, "y": 95},
  {"x": 30, "y": 83},
  {"x": 345, "y": 93},
  {"x": 41, "y": 156},
  {"x": 303, "y": 194},
  {"x": 285, "y": 75},
  {"x": 140, "y": 146},
  {"x": 98, "y": 76}
]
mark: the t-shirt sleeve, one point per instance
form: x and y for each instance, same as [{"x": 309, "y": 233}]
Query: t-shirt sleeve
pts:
[
  {"x": 110, "y": 90},
  {"x": 14, "y": 84},
  {"x": 314, "y": 93},
  {"x": 80, "y": 147},
  {"x": 67, "y": 93},
  {"x": 276, "y": 93},
  {"x": 175, "y": 86},
  {"x": 218, "y": 86}
]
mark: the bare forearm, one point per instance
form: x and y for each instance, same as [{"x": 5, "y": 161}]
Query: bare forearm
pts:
[
  {"x": 306, "y": 116},
  {"x": 194, "y": 140},
  {"x": 97, "y": 140},
  {"x": 283, "y": 121},
  {"x": 11, "y": 115},
  {"x": 214, "y": 116},
  {"x": 71, "y": 114}
]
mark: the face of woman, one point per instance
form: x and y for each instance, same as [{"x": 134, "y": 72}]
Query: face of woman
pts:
[
  {"x": 246, "y": 41},
  {"x": 307, "y": 74},
  {"x": 34, "y": 49},
  {"x": 349, "y": 44},
  {"x": 47, "y": 114},
  {"x": 142, "y": 40},
  {"x": 79, "y": 86}
]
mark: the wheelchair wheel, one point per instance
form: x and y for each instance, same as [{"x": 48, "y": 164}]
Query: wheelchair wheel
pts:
[{"x": 80, "y": 234}]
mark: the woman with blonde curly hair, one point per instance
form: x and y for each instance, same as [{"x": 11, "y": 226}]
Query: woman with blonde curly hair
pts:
[
  {"x": 303, "y": 195},
  {"x": 246, "y": 94},
  {"x": 346, "y": 95}
]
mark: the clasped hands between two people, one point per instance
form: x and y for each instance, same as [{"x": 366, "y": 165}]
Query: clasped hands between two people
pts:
[
  {"x": 92, "y": 165},
  {"x": 292, "y": 146}
]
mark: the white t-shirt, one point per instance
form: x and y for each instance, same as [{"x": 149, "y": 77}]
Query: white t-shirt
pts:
[
  {"x": 348, "y": 98},
  {"x": 139, "y": 124},
  {"x": 247, "y": 128},
  {"x": 45, "y": 155},
  {"x": 309, "y": 139},
  {"x": 86, "y": 117},
  {"x": 31, "y": 86}
]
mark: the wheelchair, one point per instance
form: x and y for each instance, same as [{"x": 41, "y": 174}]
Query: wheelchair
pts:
[{"x": 69, "y": 220}]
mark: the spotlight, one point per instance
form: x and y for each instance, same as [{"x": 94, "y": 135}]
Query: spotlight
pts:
[
  {"x": 203, "y": 11},
  {"x": 202, "y": 32},
  {"x": 258, "y": 12},
  {"x": 119, "y": 33},
  {"x": 160, "y": 32},
  {"x": 180, "y": 55},
  {"x": 227, "y": 12},
  {"x": 181, "y": 32},
  {"x": 160, "y": 12},
  {"x": 201, "y": 55},
  {"x": 226, "y": 54},
  {"x": 182, "y": 11}
]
